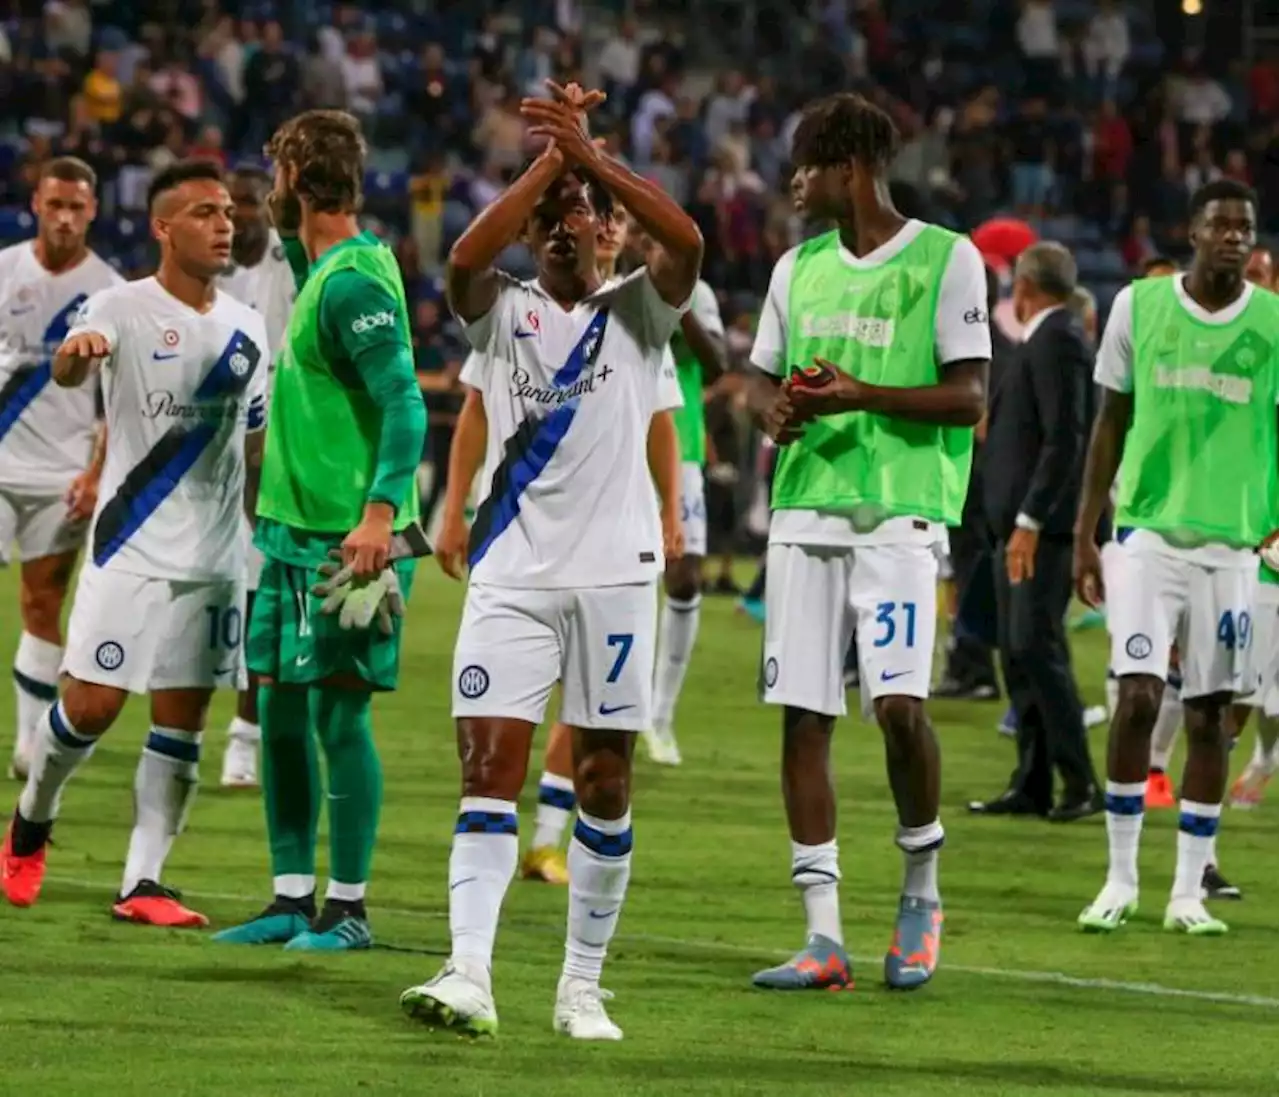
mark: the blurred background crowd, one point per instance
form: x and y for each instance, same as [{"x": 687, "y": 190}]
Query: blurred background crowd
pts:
[{"x": 1084, "y": 121}]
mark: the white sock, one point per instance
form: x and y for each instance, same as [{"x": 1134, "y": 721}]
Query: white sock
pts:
[
  {"x": 1113, "y": 694},
  {"x": 1264, "y": 745},
  {"x": 920, "y": 846},
  {"x": 1212, "y": 859},
  {"x": 677, "y": 631},
  {"x": 1124, "y": 831},
  {"x": 164, "y": 787},
  {"x": 56, "y": 753},
  {"x": 244, "y": 730},
  {"x": 599, "y": 868},
  {"x": 35, "y": 685},
  {"x": 294, "y": 885},
  {"x": 815, "y": 870},
  {"x": 481, "y": 866},
  {"x": 1197, "y": 828},
  {"x": 556, "y": 801},
  {"x": 345, "y": 893},
  {"x": 1168, "y": 722}
]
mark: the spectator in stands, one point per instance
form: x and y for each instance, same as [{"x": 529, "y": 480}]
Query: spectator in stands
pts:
[
  {"x": 500, "y": 134},
  {"x": 1201, "y": 100},
  {"x": 1106, "y": 44},
  {"x": 1037, "y": 33},
  {"x": 101, "y": 88},
  {"x": 177, "y": 88},
  {"x": 1031, "y": 149},
  {"x": 362, "y": 76},
  {"x": 324, "y": 86},
  {"x": 271, "y": 84},
  {"x": 619, "y": 64},
  {"x": 1138, "y": 245},
  {"x": 428, "y": 188}
]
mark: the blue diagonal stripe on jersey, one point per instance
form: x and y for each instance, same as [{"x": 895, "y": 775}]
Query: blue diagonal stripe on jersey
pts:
[
  {"x": 26, "y": 383},
  {"x": 529, "y": 450},
  {"x": 153, "y": 479}
]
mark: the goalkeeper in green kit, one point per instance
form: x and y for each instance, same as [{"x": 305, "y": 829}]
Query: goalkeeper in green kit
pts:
[{"x": 337, "y": 485}]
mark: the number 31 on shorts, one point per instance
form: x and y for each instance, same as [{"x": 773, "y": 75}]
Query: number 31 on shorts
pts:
[{"x": 895, "y": 621}]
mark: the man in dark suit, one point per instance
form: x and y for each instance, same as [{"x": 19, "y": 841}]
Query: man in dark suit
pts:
[
  {"x": 970, "y": 672},
  {"x": 1036, "y": 441}
]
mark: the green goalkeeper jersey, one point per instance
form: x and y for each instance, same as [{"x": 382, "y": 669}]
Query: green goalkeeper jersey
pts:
[
  {"x": 690, "y": 418},
  {"x": 347, "y": 421}
]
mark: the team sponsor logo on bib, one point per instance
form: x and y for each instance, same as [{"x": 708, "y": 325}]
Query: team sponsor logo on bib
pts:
[
  {"x": 1232, "y": 390},
  {"x": 871, "y": 331},
  {"x": 372, "y": 321}
]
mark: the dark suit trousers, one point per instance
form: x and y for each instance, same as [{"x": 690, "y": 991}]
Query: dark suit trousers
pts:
[{"x": 1036, "y": 661}]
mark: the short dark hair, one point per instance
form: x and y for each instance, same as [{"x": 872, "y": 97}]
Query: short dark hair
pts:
[
  {"x": 328, "y": 150},
  {"x": 841, "y": 128},
  {"x": 184, "y": 171},
  {"x": 1148, "y": 265},
  {"x": 69, "y": 169},
  {"x": 1223, "y": 190}
]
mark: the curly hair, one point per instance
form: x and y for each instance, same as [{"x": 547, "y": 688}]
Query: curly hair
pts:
[
  {"x": 841, "y": 128},
  {"x": 328, "y": 150}
]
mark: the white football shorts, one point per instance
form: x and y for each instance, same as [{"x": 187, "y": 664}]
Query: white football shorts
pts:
[
  {"x": 1157, "y": 597},
  {"x": 1261, "y": 677},
  {"x": 38, "y": 524},
  {"x": 814, "y": 599},
  {"x": 693, "y": 509},
  {"x": 141, "y": 634},
  {"x": 514, "y": 645}
]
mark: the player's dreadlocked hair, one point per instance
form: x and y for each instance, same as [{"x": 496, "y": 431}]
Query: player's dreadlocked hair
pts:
[
  {"x": 328, "y": 150},
  {"x": 841, "y": 128}
]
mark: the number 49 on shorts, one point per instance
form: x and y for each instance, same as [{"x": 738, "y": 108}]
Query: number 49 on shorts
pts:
[{"x": 1233, "y": 630}]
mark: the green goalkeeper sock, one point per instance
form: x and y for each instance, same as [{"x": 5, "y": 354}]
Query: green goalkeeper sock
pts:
[
  {"x": 355, "y": 786},
  {"x": 291, "y": 783}
]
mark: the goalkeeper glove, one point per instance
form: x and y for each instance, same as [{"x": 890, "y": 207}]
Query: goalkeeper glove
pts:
[{"x": 358, "y": 602}]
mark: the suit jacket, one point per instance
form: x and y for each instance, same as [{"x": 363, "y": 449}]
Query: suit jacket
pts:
[{"x": 1038, "y": 430}]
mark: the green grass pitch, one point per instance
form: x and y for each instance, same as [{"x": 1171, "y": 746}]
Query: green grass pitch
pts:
[{"x": 1022, "y": 1004}]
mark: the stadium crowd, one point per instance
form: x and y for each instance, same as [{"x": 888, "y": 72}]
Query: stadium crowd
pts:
[{"x": 1089, "y": 125}]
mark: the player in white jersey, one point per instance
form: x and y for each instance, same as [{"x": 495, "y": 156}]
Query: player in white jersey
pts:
[
  {"x": 261, "y": 278},
  {"x": 50, "y": 459},
  {"x": 564, "y": 551},
  {"x": 544, "y": 860},
  {"x": 159, "y": 606}
]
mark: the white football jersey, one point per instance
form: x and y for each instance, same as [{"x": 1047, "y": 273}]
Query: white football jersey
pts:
[
  {"x": 180, "y": 388},
  {"x": 269, "y": 288},
  {"x": 567, "y": 501},
  {"x": 46, "y": 432}
]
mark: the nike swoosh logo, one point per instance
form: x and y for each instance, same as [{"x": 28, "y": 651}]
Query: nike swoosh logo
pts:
[
  {"x": 465, "y": 880},
  {"x": 886, "y": 676},
  {"x": 156, "y": 356},
  {"x": 598, "y": 914},
  {"x": 609, "y": 710},
  {"x": 525, "y": 334},
  {"x": 302, "y": 660}
]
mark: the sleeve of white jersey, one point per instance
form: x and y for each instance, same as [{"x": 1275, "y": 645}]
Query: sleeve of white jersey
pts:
[
  {"x": 769, "y": 352},
  {"x": 474, "y": 370},
  {"x": 653, "y": 321},
  {"x": 669, "y": 395},
  {"x": 256, "y": 392},
  {"x": 706, "y": 309},
  {"x": 962, "y": 329},
  {"x": 1114, "y": 367},
  {"x": 487, "y": 330},
  {"x": 100, "y": 314}
]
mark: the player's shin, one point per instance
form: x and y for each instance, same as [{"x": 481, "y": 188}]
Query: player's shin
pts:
[
  {"x": 164, "y": 789},
  {"x": 35, "y": 684},
  {"x": 1128, "y": 759},
  {"x": 599, "y": 870},
  {"x": 58, "y": 751},
  {"x": 355, "y": 789},
  {"x": 677, "y": 633},
  {"x": 482, "y": 864},
  {"x": 291, "y": 787}
]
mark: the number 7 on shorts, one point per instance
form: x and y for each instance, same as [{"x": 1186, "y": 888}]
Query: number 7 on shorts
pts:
[{"x": 622, "y": 641}]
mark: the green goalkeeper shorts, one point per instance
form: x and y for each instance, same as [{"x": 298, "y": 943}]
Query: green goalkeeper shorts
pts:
[{"x": 292, "y": 642}]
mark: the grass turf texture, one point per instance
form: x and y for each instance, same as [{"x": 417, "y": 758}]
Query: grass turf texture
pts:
[{"x": 1021, "y": 1003}]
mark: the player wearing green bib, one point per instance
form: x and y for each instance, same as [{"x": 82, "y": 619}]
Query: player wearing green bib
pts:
[
  {"x": 873, "y": 465},
  {"x": 338, "y": 473},
  {"x": 1190, "y": 379},
  {"x": 1264, "y": 643}
]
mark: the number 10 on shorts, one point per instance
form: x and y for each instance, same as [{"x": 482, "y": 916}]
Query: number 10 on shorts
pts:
[{"x": 225, "y": 626}]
